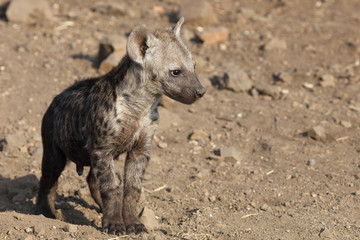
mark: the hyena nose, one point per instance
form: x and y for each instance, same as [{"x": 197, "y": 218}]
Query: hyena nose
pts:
[{"x": 200, "y": 92}]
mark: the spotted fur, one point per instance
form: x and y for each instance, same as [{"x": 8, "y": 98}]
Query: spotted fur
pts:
[{"x": 94, "y": 121}]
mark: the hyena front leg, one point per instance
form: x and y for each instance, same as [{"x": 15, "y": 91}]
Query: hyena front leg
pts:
[
  {"x": 135, "y": 165},
  {"x": 111, "y": 193}
]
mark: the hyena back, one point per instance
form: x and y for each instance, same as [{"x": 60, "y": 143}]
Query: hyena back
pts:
[{"x": 94, "y": 121}]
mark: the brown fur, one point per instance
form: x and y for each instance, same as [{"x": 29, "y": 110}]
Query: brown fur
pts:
[{"x": 94, "y": 121}]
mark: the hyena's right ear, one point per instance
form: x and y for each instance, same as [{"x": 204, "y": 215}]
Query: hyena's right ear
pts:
[{"x": 141, "y": 44}]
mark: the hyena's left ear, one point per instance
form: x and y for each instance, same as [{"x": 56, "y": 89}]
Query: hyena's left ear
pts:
[
  {"x": 141, "y": 44},
  {"x": 176, "y": 29}
]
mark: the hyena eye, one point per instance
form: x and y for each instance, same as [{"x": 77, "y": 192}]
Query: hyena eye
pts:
[{"x": 175, "y": 73}]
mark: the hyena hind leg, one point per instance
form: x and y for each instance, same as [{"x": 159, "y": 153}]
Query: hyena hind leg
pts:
[
  {"x": 94, "y": 188},
  {"x": 53, "y": 163}
]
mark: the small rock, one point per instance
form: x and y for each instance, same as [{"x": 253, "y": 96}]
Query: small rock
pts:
[
  {"x": 230, "y": 154},
  {"x": 166, "y": 102},
  {"x": 111, "y": 61},
  {"x": 283, "y": 77},
  {"x": 29, "y": 230},
  {"x": 162, "y": 145},
  {"x": 202, "y": 174},
  {"x": 264, "y": 207},
  {"x": 308, "y": 85},
  {"x": 325, "y": 233},
  {"x": 39, "y": 230},
  {"x": 158, "y": 9},
  {"x": 24, "y": 150},
  {"x": 114, "y": 8},
  {"x": 357, "y": 193},
  {"x": 199, "y": 134},
  {"x": 269, "y": 90},
  {"x": 110, "y": 44},
  {"x": 212, "y": 198},
  {"x": 327, "y": 80},
  {"x": 346, "y": 124},
  {"x": 318, "y": 133},
  {"x": 70, "y": 228},
  {"x": 276, "y": 43},
  {"x": 237, "y": 80},
  {"x": 148, "y": 218},
  {"x": 311, "y": 162},
  {"x": 25, "y": 11},
  {"x": 214, "y": 35},
  {"x": 198, "y": 13}
]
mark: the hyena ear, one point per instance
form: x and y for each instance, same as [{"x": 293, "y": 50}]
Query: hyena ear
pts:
[
  {"x": 176, "y": 29},
  {"x": 141, "y": 44}
]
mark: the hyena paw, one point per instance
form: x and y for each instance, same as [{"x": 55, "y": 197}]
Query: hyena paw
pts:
[
  {"x": 114, "y": 227},
  {"x": 136, "y": 228}
]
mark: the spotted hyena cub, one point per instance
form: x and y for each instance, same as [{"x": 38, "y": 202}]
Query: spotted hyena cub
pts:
[{"x": 94, "y": 121}]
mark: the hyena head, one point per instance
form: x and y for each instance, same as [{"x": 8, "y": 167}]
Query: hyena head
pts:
[{"x": 164, "y": 56}]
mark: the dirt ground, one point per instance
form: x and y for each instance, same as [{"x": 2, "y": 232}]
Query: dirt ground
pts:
[{"x": 297, "y": 171}]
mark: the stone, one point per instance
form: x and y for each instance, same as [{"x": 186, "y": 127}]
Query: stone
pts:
[
  {"x": 357, "y": 193},
  {"x": 28, "y": 237},
  {"x": 276, "y": 44},
  {"x": 237, "y": 80},
  {"x": 311, "y": 162},
  {"x": 264, "y": 207},
  {"x": 114, "y": 8},
  {"x": 308, "y": 85},
  {"x": 230, "y": 154},
  {"x": 327, "y": 80},
  {"x": 212, "y": 198},
  {"x": 29, "y": 181},
  {"x": 70, "y": 228},
  {"x": 318, "y": 133},
  {"x": 325, "y": 233},
  {"x": 214, "y": 35},
  {"x": 111, "y": 61},
  {"x": 198, "y": 13},
  {"x": 162, "y": 145},
  {"x": 283, "y": 77},
  {"x": 202, "y": 174},
  {"x": 148, "y": 218},
  {"x": 199, "y": 134},
  {"x": 25, "y": 11},
  {"x": 268, "y": 90},
  {"x": 29, "y": 230},
  {"x": 39, "y": 230},
  {"x": 110, "y": 44},
  {"x": 346, "y": 124}
]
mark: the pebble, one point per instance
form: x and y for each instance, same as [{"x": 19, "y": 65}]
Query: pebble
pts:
[
  {"x": 357, "y": 193},
  {"x": 325, "y": 233},
  {"x": 268, "y": 90},
  {"x": 237, "y": 80},
  {"x": 276, "y": 43},
  {"x": 25, "y": 11},
  {"x": 212, "y": 198},
  {"x": 311, "y": 162},
  {"x": 318, "y": 133},
  {"x": 308, "y": 85},
  {"x": 70, "y": 228},
  {"x": 202, "y": 174},
  {"x": 198, "y": 13},
  {"x": 39, "y": 230},
  {"x": 230, "y": 154},
  {"x": 283, "y": 77},
  {"x": 264, "y": 207},
  {"x": 162, "y": 145},
  {"x": 214, "y": 35},
  {"x": 29, "y": 230},
  {"x": 29, "y": 237},
  {"x": 346, "y": 124},
  {"x": 148, "y": 218},
  {"x": 327, "y": 80},
  {"x": 199, "y": 134}
]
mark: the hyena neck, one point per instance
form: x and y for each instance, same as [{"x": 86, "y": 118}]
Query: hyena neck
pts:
[{"x": 133, "y": 83}]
